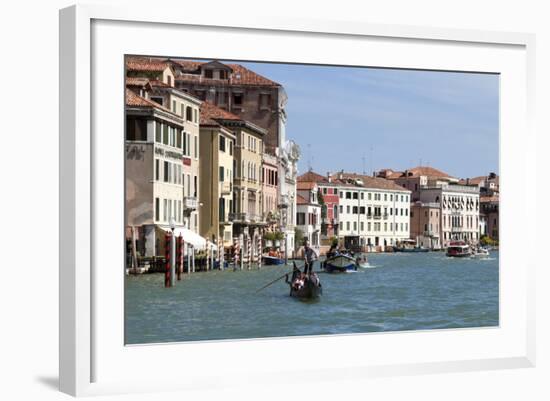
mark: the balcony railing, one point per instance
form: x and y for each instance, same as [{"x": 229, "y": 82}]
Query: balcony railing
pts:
[
  {"x": 225, "y": 188},
  {"x": 246, "y": 218},
  {"x": 189, "y": 203},
  {"x": 377, "y": 216}
]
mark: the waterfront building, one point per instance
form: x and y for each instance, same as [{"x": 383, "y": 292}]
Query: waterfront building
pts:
[
  {"x": 328, "y": 201},
  {"x": 237, "y": 89},
  {"x": 217, "y": 144},
  {"x": 489, "y": 188},
  {"x": 425, "y": 228},
  {"x": 417, "y": 178},
  {"x": 458, "y": 200},
  {"x": 490, "y": 211},
  {"x": 270, "y": 191},
  {"x": 308, "y": 213},
  {"x": 373, "y": 212},
  {"x": 256, "y": 99},
  {"x": 459, "y": 210},
  {"x": 157, "y": 186},
  {"x": 245, "y": 207}
]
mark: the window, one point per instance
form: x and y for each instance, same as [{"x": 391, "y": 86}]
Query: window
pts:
[
  {"x": 354, "y": 226},
  {"x": 362, "y": 226},
  {"x": 347, "y": 225},
  {"x": 158, "y": 132},
  {"x": 341, "y": 195},
  {"x": 209, "y": 73},
  {"x": 157, "y": 99},
  {"x": 362, "y": 195},
  {"x": 174, "y": 106},
  {"x": 348, "y": 195},
  {"x": 238, "y": 99},
  {"x": 301, "y": 219},
  {"x": 385, "y": 197},
  {"x": 157, "y": 170},
  {"x": 164, "y": 209},
  {"x": 165, "y": 134},
  {"x": 178, "y": 139},
  {"x": 222, "y": 143},
  {"x": 195, "y": 186},
  {"x": 354, "y": 210},
  {"x": 166, "y": 172},
  {"x": 136, "y": 129},
  {"x": 362, "y": 210},
  {"x": 355, "y": 195},
  {"x": 369, "y": 196},
  {"x": 157, "y": 209},
  {"x": 265, "y": 101},
  {"x": 223, "y": 74},
  {"x": 189, "y": 113},
  {"x": 230, "y": 148},
  {"x": 347, "y": 209},
  {"x": 341, "y": 209},
  {"x": 221, "y": 173}
]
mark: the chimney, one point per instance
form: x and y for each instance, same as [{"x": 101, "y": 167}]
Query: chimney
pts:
[
  {"x": 341, "y": 175},
  {"x": 329, "y": 176}
]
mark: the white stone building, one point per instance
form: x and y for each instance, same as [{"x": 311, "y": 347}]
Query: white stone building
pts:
[
  {"x": 308, "y": 213},
  {"x": 373, "y": 212},
  {"x": 459, "y": 211}
]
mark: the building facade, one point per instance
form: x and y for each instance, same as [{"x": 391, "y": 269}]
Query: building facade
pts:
[
  {"x": 270, "y": 190},
  {"x": 155, "y": 190},
  {"x": 425, "y": 224},
  {"x": 329, "y": 204},
  {"x": 459, "y": 211},
  {"x": 217, "y": 145},
  {"x": 308, "y": 214}
]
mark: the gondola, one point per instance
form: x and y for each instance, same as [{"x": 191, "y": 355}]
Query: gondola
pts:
[{"x": 311, "y": 288}]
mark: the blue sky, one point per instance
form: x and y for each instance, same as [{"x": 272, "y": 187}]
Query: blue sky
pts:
[{"x": 360, "y": 119}]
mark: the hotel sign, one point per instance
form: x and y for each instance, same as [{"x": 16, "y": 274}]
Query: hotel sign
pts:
[{"x": 168, "y": 153}]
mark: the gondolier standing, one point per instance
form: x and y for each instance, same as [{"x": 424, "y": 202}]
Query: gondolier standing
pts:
[{"x": 310, "y": 256}]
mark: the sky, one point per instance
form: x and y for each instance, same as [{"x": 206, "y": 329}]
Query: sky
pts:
[{"x": 365, "y": 119}]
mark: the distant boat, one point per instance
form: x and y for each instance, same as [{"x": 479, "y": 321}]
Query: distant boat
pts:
[
  {"x": 340, "y": 263},
  {"x": 272, "y": 260},
  {"x": 480, "y": 253},
  {"x": 409, "y": 246},
  {"x": 362, "y": 261},
  {"x": 458, "y": 249}
]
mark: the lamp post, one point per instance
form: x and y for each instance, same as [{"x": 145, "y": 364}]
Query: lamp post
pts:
[{"x": 172, "y": 252}]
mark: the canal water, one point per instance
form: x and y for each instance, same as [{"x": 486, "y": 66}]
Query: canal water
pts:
[{"x": 400, "y": 291}]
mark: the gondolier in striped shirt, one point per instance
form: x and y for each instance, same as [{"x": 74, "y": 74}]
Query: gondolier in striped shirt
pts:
[{"x": 310, "y": 256}]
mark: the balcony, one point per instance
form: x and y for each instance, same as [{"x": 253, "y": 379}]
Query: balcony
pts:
[
  {"x": 377, "y": 217},
  {"x": 369, "y": 216},
  {"x": 225, "y": 188},
  {"x": 247, "y": 218},
  {"x": 189, "y": 203}
]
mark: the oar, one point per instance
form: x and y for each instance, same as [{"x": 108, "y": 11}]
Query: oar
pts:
[{"x": 274, "y": 281}]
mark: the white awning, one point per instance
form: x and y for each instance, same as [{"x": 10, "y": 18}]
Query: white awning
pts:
[{"x": 191, "y": 237}]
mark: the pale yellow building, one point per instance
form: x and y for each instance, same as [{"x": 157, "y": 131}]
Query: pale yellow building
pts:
[{"x": 217, "y": 145}]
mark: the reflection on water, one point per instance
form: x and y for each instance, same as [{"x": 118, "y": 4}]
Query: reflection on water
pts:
[{"x": 398, "y": 292}]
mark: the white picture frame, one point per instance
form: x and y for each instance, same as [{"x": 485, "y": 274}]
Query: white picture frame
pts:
[{"x": 88, "y": 366}]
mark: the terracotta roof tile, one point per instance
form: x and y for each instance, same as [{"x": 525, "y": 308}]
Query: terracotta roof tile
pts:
[
  {"x": 209, "y": 113},
  {"x": 145, "y": 64},
  {"x": 134, "y": 100},
  {"x": 312, "y": 176},
  {"x": 374, "y": 182},
  {"x": 136, "y": 81},
  {"x": 300, "y": 200},
  {"x": 305, "y": 185},
  {"x": 240, "y": 76}
]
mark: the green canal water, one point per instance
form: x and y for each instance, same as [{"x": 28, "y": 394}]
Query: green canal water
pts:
[{"x": 399, "y": 292}]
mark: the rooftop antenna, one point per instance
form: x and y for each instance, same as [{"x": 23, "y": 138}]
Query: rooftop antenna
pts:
[
  {"x": 371, "y": 168},
  {"x": 309, "y": 157}
]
